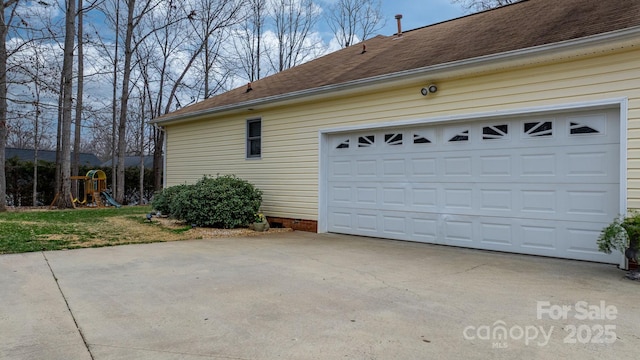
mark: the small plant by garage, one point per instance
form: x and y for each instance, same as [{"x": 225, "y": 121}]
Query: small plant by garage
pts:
[
  {"x": 222, "y": 202},
  {"x": 623, "y": 234}
]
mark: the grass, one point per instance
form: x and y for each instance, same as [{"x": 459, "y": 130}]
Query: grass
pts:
[{"x": 26, "y": 231}]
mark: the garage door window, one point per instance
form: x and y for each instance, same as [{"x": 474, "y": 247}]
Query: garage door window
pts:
[
  {"x": 538, "y": 129},
  {"x": 393, "y": 139},
  {"x": 577, "y": 128},
  {"x": 495, "y": 132},
  {"x": 366, "y": 141},
  {"x": 461, "y": 136},
  {"x": 420, "y": 139},
  {"x": 343, "y": 145}
]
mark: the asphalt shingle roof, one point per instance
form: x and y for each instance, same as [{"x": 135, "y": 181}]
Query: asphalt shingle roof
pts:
[
  {"x": 26, "y": 155},
  {"x": 514, "y": 27},
  {"x": 133, "y": 161}
]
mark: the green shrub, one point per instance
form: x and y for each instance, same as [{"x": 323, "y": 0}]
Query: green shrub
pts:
[
  {"x": 621, "y": 234},
  {"x": 223, "y": 202},
  {"x": 162, "y": 199}
]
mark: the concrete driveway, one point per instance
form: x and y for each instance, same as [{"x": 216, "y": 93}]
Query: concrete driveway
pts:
[{"x": 311, "y": 296}]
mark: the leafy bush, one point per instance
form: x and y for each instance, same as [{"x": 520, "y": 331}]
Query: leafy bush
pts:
[
  {"x": 162, "y": 199},
  {"x": 622, "y": 233},
  {"x": 223, "y": 202}
]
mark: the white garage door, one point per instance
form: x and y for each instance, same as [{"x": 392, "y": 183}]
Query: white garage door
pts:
[{"x": 543, "y": 185}]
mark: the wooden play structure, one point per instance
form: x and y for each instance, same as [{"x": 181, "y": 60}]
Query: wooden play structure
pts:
[
  {"x": 92, "y": 185},
  {"x": 93, "y": 188}
]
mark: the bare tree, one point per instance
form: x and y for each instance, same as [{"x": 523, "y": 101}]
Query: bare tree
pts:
[
  {"x": 183, "y": 38},
  {"x": 110, "y": 51},
  {"x": 134, "y": 18},
  {"x": 141, "y": 144},
  {"x": 75, "y": 164},
  {"x": 4, "y": 30},
  {"x": 248, "y": 42},
  {"x": 480, "y": 5},
  {"x": 355, "y": 20},
  {"x": 64, "y": 192},
  {"x": 210, "y": 21},
  {"x": 294, "y": 21}
]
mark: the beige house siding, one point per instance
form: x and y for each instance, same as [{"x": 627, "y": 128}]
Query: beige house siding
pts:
[{"x": 288, "y": 170}]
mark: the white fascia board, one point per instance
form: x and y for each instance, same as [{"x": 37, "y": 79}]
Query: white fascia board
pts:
[{"x": 570, "y": 48}]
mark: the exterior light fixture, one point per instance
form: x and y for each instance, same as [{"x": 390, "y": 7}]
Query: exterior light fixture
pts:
[{"x": 428, "y": 90}]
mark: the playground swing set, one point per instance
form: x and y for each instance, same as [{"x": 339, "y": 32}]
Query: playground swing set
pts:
[{"x": 93, "y": 188}]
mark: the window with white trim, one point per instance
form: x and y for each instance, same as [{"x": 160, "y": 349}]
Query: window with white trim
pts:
[{"x": 254, "y": 138}]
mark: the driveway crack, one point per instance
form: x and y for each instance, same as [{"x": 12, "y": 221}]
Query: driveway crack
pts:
[
  {"x": 75, "y": 322},
  {"x": 468, "y": 269}
]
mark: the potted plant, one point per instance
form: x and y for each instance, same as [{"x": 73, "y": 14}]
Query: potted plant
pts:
[
  {"x": 260, "y": 223},
  {"x": 623, "y": 234}
]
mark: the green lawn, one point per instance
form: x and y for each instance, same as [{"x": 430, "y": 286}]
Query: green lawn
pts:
[{"x": 25, "y": 231}]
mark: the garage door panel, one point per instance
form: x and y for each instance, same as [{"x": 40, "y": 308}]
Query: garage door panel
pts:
[
  {"x": 366, "y": 196},
  {"x": 495, "y": 233},
  {"x": 457, "y": 166},
  {"x": 396, "y": 225},
  {"x": 367, "y": 168},
  {"x": 539, "y": 165},
  {"x": 593, "y": 163},
  {"x": 340, "y": 169},
  {"x": 538, "y": 202},
  {"x": 341, "y": 220},
  {"x": 495, "y": 165},
  {"x": 579, "y": 241},
  {"x": 424, "y": 229},
  {"x": 587, "y": 202},
  {"x": 542, "y": 185},
  {"x": 366, "y": 223},
  {"x": 393, "y": 196},
  {"x": 394, "y": 167},
  {"x": 458, "y": 230},
  {"x": 423, "y": 198},
  {"x": 423, "y": 167},
  {"x": 457, "y": 199},
  {"x": 341, "y": 194},
  {"x": 496, "y": 200},
  {"x": 538, "y": 238}
]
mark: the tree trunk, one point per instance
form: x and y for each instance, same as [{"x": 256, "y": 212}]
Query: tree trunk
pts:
[
  {"x": 64, "y": 198},
  {"x": 3, "y": 109},
  {"x": 142, "y": 122},
  {"x": 114, "y": 107},
  {"x": 79, "y": 93},
  {"x": 4, "y": 29},
  {"x": 207, "y": 68},
  {"x": 58, "y": 175},
  {"x": 122, "y": 126},
  {"x": 35, "y": 166},
  {"x": 36, "y": 142},
  {"x": 75, "y": 164}
]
